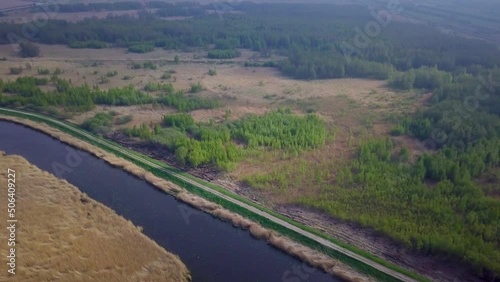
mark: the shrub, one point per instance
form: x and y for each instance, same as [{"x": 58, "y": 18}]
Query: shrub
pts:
[
  {"x": 100, "y": 123},
  {"x": 29, "y": 50},
  {"x": 58, "y": 71},
  {"x": 223, "y": 54},
  {"x": 181, "y": 121},
  {"x": 212, "y": 72},
  {"x": 104, "y": 80},
  {"x": 43, "y": 71},
  {"x": 16, "y": 70},
  {"x": 149, "y": 65},
  {"x": 141, "y": 48},
  {"x": 195, "y": 88},
  {"x": 398, "y": 130},
  {"x": 111, "y": 73}
]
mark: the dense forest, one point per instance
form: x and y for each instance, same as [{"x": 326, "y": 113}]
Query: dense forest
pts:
[{"x": 315, "y": 46}]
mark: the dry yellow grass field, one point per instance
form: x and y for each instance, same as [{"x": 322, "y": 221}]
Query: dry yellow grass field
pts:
[{"x": 63, "y": 235}]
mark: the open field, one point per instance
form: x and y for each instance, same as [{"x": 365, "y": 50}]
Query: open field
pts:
[{"x": 65, "y": 235}]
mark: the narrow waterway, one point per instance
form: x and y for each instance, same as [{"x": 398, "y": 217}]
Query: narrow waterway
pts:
[{"x": 212, "y": 250}]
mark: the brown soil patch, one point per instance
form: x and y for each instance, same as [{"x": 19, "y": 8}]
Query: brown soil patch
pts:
[{"x": 63, "y": 234}]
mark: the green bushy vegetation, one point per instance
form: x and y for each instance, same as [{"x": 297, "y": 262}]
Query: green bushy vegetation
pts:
[
  {"x": 112, "y": 73},
  {"x": 83, "y": 98},
  {"x": 166, "y": 75},
  {"x": 100, "y": 123},
  {"x": 280, "y": 130},
  {"x": 210, "y": 144},
  {"x": 181, "y": 121},
  {"x": 141, "y": 48},
  {"x": 125, "y": 96},
  {"x": 195, "y": 88},
  {"x": 15, "y": 70},
  {"x": 58, "y": 71},
  {"x": 28, "y": 49},
  {"x": 223, "y": 54},
  {"x": 184, "y": 102},
  {"x": 212, "y": 72},
  {"x": 42, "y": 71},
  {"x": 149, "y": 65},
  {"x": 428, "y": 78},
  {"x": 152, "y": 86}
]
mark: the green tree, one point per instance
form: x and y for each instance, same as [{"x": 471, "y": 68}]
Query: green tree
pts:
[{"x": 28, "y": 50}]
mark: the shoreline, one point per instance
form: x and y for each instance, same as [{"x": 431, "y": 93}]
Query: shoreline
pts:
[{"x": 306, "y": 254}]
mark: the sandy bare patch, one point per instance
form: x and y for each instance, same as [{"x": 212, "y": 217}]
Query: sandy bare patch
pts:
[{"x": 63, "y": 234}]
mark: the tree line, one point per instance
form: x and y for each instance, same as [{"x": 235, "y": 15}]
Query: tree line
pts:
[
  {"x": 25, "y": 92},
  {"x": 313, "y": 46}
]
